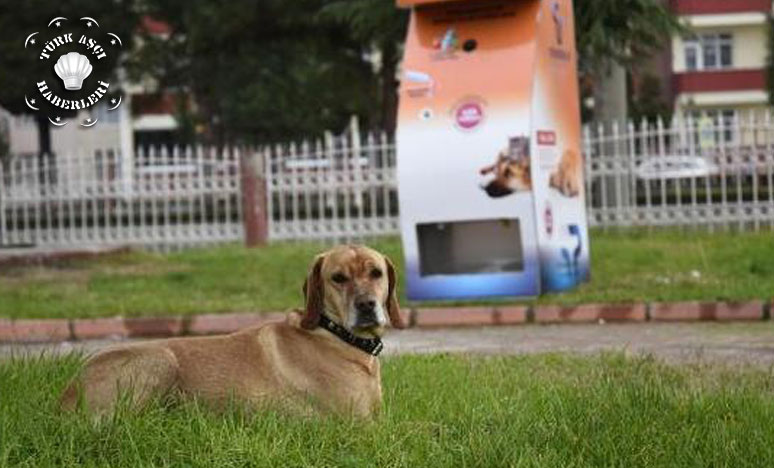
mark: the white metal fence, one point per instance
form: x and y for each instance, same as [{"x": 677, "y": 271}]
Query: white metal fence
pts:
[
  {"x": 162, "y": 199},
  {"x": 710, "y": 174},
  {"x": 335, "y": 188},
  {"x": 700, "y": 173}
]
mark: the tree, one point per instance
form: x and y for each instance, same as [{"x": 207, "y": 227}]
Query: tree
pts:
[
  {"x": 19, "y": 19},
  {"x": 611, "y": 35},
  {"x": 380, "y": 27},
  {"x": 648, "y": 103},
  {"x": 622, "y": 31},
  {"x": 258, "y": 71}
]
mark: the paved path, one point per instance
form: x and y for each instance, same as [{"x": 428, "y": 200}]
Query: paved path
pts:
[{"x": 730, "y": 343}]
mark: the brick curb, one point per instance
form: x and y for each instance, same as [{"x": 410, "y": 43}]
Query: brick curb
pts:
[{"x": 53, "y": 330}]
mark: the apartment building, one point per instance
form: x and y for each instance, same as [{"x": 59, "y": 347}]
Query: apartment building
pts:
[{"x": 717, "y": 70}]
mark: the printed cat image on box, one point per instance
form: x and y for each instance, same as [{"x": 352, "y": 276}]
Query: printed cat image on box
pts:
[
  {"x": 567, "y": 177},
  {"x": 511, "y": 170}
]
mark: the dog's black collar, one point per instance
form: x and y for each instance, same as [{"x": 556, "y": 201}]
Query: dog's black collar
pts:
[{"x": 372, "y": 346}]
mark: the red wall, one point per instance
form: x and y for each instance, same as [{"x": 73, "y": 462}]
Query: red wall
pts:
[
  {"x": 705, "y": 81},
  {"x": 699, "y": 7}
]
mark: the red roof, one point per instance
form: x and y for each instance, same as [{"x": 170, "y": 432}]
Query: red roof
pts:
[
  {"x": 154, "y": 26},
  {"x": 153, "y": 104}
]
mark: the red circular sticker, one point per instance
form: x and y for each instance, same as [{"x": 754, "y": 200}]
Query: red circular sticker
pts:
[{"x": 469, "y": 115}]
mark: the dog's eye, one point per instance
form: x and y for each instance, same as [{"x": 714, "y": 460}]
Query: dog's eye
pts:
[
  {"x": 376, "y": 273},
  {"x": 339, "y": 278}
]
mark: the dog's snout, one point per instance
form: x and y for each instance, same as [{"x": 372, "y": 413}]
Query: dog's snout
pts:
[
  {"x": 496, "y": 190},
  {"x": 366, "y": 306},
  {"x": 368, "y": 313}
]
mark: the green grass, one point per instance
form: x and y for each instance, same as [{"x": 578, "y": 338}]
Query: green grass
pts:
[
  {"x": 633, "y": 266},
  {"x": 439, "y": 410}
]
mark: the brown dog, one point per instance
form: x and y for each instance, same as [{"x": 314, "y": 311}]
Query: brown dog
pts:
[
  {"x": 567, "y": 177},
  {"x": 511, "y": 170},
  {"x": 323, "y": 358},
  {"x": 511, "y": 175}
]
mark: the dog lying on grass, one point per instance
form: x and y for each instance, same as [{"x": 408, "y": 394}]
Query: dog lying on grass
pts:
[{"x": 323, "y": 357}]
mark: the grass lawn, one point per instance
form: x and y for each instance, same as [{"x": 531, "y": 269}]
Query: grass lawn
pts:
[
  {"x": 634, "y": 266},
  {"x": 439, "y": 410}
]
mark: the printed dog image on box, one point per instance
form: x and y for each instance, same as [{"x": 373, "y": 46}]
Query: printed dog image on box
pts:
[
  {"x": 567, "y": 177},
  {"x": 511, "y": 170}
]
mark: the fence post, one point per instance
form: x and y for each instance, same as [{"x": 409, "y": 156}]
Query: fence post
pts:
[
  {"x": 255, "y": 215},
  {"x": 3, "y": 238}
]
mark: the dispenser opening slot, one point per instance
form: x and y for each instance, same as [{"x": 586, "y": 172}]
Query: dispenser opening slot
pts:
[{"x": 470, "y": 247}]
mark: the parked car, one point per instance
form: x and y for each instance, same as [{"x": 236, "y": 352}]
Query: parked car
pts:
[{"x": 676, "y": 167}]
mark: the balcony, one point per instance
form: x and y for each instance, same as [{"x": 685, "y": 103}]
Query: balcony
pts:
[
  {"x": 718, "y": 80},
  {"x": 707, "y": 7}
]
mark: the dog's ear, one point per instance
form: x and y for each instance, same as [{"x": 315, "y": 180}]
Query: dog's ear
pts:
[
  {"x": 393, "y": 309},
  {"x": 313, "y": 295}
]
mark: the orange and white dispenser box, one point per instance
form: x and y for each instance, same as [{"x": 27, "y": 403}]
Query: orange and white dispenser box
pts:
[{"x": 490, "y": 173}]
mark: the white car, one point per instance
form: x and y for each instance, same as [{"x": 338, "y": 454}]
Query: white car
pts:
[{"x": 676, "y": 167}]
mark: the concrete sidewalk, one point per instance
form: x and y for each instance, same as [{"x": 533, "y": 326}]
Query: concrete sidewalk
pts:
[{"x": 727, "y": 343}]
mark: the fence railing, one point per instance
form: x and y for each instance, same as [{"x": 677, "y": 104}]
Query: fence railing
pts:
[
  {"x": 699, "y": 173},
  {"x": 335, "y": 188},
  {"x": 708, "y": 174},
  {"x": 158, "y": 199}
]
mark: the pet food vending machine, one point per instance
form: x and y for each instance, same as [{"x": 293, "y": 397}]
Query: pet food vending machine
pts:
[{"x": 490, "y": 175}]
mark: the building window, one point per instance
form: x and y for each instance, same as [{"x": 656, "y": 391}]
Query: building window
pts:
[
  {"x": 727, "y": 120},
  {"x": 691, "y": 55},
  {"x": 715, "y": 125},
  {"x": 708, "y": 52}
]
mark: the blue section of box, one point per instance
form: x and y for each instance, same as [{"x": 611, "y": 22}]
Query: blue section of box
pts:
[{"x": 469, "y": 286}]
